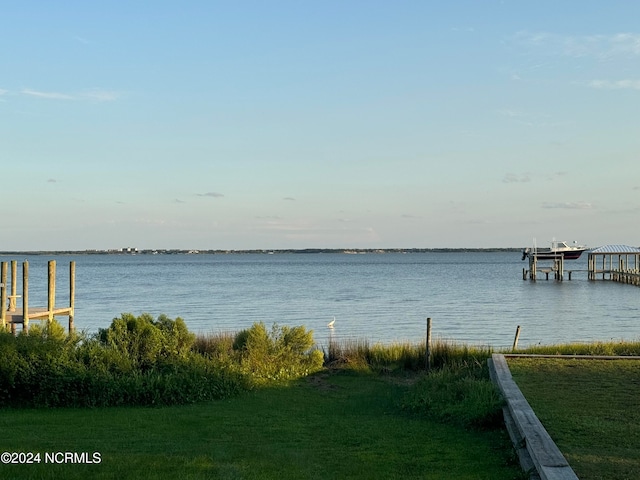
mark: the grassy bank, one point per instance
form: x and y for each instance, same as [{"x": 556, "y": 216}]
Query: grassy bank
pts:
[
  {"x": 334, "y": 424},
  {"x": 261, "y": 403},
  {"x": 256, "y": 404},
  {"x": 590, "y": 408}
]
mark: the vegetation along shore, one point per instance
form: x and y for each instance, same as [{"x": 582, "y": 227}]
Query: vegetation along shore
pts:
[{"x": 261, "y": 403}]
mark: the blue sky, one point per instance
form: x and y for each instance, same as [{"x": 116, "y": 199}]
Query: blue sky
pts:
[{"x": 234, "y": 125}]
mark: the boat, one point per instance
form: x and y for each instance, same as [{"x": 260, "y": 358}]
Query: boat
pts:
[{"x": 569, "y": 252}]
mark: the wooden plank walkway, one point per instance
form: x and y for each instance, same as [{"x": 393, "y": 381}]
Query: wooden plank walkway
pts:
[
  {"x": 36, "y": 313},
  {"x": 529, "y": 433}
]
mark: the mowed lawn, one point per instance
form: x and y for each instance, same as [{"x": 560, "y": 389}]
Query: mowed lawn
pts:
[
  {"x": 591, "y": 408},
  {"x": 328, "y": 426}
]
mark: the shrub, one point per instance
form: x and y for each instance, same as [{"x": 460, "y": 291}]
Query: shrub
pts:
[
  {"x": 49, "y": 329},
  {"x": 284, "y": 353},
  {"x": 142, "y": 361},
  {"x": 143, "y": 341}
]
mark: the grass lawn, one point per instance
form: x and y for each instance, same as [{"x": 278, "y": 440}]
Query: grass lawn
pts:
[
  {"x": 591, "y": 408},
  {"x": 328, "y": 426}
]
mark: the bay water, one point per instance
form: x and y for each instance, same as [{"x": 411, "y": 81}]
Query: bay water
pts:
[{"x": 477, "y": 298}]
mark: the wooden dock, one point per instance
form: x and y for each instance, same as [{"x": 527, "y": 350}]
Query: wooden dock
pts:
[
  {"x": 546, "y": 263},
  {"x": 12, "y": 315},
  {"x": 617, "y": 263}
]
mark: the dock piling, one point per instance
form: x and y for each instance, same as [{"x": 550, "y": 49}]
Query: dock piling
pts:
[{"x": 428, "y": 352}]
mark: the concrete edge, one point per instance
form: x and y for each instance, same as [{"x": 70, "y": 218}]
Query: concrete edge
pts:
[{"x": 526, "y": 431}]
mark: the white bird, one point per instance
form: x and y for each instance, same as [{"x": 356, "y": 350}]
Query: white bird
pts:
[{"x": 330, "y": 324}]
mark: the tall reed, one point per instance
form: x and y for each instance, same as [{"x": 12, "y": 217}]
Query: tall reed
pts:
[{"x": 404, "y": 355}]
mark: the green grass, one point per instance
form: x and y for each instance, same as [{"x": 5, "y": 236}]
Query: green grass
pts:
[
  {"x": 342, "y": 425},
  {"x": 585, "y": 348},
  {"x": 591, "y": 410}
]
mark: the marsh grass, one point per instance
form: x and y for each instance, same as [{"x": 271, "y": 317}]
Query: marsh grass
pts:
[
  {"x": 360, "y": 354},
  {"x": 215, "y": 345}
]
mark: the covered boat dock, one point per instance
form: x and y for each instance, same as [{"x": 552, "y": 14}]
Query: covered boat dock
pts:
[{"x": 619, "y": 263}]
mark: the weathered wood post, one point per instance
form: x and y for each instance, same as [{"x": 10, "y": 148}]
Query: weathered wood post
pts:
[
  {"x": 51, "y": 301},
  {"x": 14, "y": 286},
  {"x": 428, "y": 353},
  {"x": 515, "y": 340},
  {"x": 3, "y": 293},
  {"x": 25, "y": 297},
  {"x": 72, "y": 293}
]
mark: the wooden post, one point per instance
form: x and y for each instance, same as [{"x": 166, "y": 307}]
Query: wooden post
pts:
[
  {"x": 72, "y": 293},
  {"x": 561, "y": 267},
  {"x": 3, "y": 294},
  {"x": 515, "y": 340},
  {"x": 428, "y": 353},
  {"x": 51, "y": 301},
  {"x": 25, "y": 297},
  {"x": 14, "y": 286}
]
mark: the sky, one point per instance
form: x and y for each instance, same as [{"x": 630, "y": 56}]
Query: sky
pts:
[{"x": 328, "y": 124}]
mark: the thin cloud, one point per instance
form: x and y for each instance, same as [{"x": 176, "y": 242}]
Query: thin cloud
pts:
[
  {"x": 529, "y": 119},
  {"x": 510, "y": 113},
  {"x": 177, "y": 200},
  {"x": 569, "y": 205},
  {"x": 99, "y": 95},
  {"x": 556, "y": 175},
  {"x": 615, "y": 84},
  {"x": 514, "y": 178},
  {"x": 52, "y": 180},
  {"x": 598, "y": 46},
  {"x": 82, "y": 40},
  {"x": 211, "y": 195},
  {"x": 47, "y": 95},
  {"x": 289, "y": 199},
  {"x": 95, "y": 95}
]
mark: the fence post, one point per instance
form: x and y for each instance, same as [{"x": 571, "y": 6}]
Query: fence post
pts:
[
  {"x": 428, "y": 353},
  {"x": 515, "y": 340}
]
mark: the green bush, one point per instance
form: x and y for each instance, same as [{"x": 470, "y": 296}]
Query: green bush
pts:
[
  {"x": 143, "y": 342},
  {"x": 284, "y": 353},
  {"x": 47, "y": 329},
  {"x": 142, "y": 361}
]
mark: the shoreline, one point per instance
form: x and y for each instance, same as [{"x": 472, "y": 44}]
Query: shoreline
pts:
[{"x": 346, "y": 251}]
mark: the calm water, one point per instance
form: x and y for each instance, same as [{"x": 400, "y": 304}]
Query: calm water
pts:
[{"x": 476, "y": 298}]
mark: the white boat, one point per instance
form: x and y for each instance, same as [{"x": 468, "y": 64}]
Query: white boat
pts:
[{"x": 570, "y": 252}]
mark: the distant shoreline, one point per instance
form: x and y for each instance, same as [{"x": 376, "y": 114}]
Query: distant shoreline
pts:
[{"x": 345, "y": 251}]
